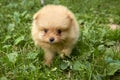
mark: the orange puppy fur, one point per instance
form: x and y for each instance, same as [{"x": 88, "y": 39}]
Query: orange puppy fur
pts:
[{"x": 55, "y": 30}]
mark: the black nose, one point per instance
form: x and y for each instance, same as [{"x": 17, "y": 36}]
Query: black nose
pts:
[{"x": 51, "y": 39}]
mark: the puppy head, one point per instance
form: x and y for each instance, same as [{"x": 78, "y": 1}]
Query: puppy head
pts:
[{"x": 53, "y": 25}]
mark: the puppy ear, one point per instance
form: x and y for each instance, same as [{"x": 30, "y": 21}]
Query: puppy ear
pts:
[
  {"x": 70, "y": 16},
  {"x": 36, "y": 15}
]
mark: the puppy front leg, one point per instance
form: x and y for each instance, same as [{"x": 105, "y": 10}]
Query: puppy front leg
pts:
[{"x": 48, "y": 57}]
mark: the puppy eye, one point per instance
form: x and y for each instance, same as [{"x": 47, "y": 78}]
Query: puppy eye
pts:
[
  {"x": 45, "y": 30},
  {"x": 59, "y": 31}
]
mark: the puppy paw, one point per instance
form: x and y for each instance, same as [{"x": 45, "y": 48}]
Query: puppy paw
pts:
[
  {"x": 65, "y": 53},
  {"x": 62, "y": 55},
  {"x": 47, "y": 63}
]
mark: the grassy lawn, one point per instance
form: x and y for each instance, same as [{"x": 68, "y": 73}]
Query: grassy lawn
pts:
[{"x": 96, "y": 56}]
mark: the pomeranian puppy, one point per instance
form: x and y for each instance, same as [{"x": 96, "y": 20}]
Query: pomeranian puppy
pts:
[{"x": 55, "y": 30}]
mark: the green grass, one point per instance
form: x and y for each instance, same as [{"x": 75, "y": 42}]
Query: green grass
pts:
[{"x": 96, "y": 56}]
